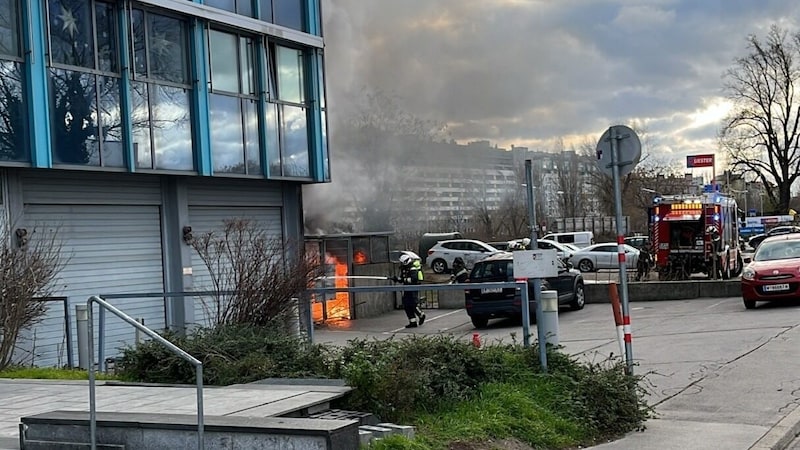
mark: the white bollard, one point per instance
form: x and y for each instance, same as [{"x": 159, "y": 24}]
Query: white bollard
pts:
[
  {"x": 549, "y": 320},
  {"x": 82, "y": 323}
]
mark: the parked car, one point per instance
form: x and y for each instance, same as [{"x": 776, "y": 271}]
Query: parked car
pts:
[
  {"x": 777, "y": 231},
  {"x": 428, "y": 240},
  {"x": 638, "y": 241},
  {"x": 578, "y": 238},
  {"x": 603, "y": 256},
  {"x": 773, "y": 273},
  {"x": 483, "y": 304},
  {"x": 441, "y": 255},
  {"x": 501, "y": 245},
  {"x": 563, "y": 251}
]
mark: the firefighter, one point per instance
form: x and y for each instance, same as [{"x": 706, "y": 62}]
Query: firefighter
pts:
[
  {"x": 644, "y": 262},
  {"x": 460, "y": 273},
  {"x": 411, "y": 274}
]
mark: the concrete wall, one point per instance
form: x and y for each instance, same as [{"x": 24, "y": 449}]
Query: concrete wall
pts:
[
  {"x": 667, "y": 290},
  {"x": 451, "y": 299},
  {"x": 372, "y": 304},
  {"x": 173, "y": 431}
]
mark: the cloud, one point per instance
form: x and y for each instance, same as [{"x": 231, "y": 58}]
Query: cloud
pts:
[{"x": 531, "y": 72}]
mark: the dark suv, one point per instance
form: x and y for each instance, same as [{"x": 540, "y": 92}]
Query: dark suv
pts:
[{"x": 484, "y": 304}]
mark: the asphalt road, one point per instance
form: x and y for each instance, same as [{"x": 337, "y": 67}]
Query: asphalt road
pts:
[{"x": 714, "y": 371}]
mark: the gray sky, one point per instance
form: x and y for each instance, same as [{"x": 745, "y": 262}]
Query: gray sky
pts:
[{"x": 528, "y": 72}]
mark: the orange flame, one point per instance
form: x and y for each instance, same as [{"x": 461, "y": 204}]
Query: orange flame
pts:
[
  {"x": 337, "y": 307},
  {"x": 359, "y": 257}
]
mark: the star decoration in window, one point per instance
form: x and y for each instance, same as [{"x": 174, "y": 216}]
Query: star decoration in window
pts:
[
  {"x": 68, "y": 22},
  {"x": 159, "y": 44}
]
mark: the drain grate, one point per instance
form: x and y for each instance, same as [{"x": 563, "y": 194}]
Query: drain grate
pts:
[{"x": 363, "y": 418}]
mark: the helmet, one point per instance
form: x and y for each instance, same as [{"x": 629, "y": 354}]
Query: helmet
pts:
[
  {"x": 526, "y": 242},
  {"x": 458, "y": 262},
  {"x": 406, "y": 260}
]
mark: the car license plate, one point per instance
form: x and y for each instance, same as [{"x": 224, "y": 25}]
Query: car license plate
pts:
[
  {"x": 776, "y": 287},
  {"x": 494, "y": 290}
]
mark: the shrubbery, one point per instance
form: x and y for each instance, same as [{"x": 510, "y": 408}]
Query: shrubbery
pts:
[{"x": 410, "y": 379}]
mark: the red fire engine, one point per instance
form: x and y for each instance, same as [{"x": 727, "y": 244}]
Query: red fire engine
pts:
[{"x": 695, "y": 234}]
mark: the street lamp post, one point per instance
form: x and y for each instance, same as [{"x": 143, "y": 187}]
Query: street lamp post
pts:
[{"x": 745, "y": 199}]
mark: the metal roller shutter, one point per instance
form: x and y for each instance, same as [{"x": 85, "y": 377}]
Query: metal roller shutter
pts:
[
  {"x": 111, "y": 249},
  {"x": 204, "y": 219}
]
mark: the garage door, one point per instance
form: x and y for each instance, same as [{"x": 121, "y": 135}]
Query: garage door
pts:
[
  {"x": 206, "y": 219},
  {"x": 109, "y": 250}
]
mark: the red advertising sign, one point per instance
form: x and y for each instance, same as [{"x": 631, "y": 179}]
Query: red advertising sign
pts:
[{"x": 700, "y": 161}]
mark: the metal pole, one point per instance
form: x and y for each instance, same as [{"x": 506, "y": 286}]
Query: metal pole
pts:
[
  {"x": 92, "y": 399},
  {"x": 537, "y": 283},
  {"x": 68, "y": 334},
  {"x": 82, "y": 320},
  {"x": 623, "y": 269}
]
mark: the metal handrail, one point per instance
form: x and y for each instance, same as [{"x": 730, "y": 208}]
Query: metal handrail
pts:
[
  {"x": 175, "y": 349},
  {"x": 101, "y": 322}
]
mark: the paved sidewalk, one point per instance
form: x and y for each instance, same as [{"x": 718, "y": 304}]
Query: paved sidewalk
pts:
[
  {"x": 703, "y": 415},
  {"x": 20, "y": 398},
  {"x": 702, "y": 403}
]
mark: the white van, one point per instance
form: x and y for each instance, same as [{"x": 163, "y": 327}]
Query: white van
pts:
[{"x": 577, "y": 238}]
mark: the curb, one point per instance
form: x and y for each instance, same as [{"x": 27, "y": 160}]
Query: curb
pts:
[{"x": 781, "y": 434}]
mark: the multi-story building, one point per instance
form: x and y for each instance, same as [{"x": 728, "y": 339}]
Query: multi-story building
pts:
[
  {"x": 128, "y": 125},
  {"x": 449, "y": 183}
]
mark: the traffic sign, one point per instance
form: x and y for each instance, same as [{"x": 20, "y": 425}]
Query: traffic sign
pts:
[
  {"x": 629, "y": 150},
  {"x": 535, "y": 264}
]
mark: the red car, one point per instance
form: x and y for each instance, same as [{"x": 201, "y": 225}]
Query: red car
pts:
[{"x": 774, "y": 273}]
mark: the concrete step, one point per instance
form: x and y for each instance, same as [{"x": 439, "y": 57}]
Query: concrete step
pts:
[
  {"x": 149, "y": 431},
  {"x": 53, "y": 445}
]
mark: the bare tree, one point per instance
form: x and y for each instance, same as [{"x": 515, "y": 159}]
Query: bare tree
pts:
[
  {"x": 29, "y": 266},
  {"x": 253, "y": 274},
  {"x": 602, "y": 185},
  {"x": 761, "y": 134},
  {"x": 570, "y": 182}
]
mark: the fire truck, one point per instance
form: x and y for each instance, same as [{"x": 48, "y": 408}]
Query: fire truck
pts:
[{"x": 695, "y": 234}]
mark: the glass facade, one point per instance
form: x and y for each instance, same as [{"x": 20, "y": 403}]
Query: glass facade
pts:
[
  {"x": 136, "y": 87},
  {"x": 233, "y": 104},
  {"x": 84, "y": 84},
  {"x": 13, "y": 129},
  {"x": 291, "y": 158}
]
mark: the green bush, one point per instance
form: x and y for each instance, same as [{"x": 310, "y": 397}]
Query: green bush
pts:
[
  {"x": 230, "y": 354},
  {"x": 450, "y": 389}
]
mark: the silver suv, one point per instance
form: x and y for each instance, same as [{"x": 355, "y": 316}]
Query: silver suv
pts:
[{"x": 441, "y": 255}]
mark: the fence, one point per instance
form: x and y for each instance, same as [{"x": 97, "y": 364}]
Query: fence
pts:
[{"x": 597, "y": 225}]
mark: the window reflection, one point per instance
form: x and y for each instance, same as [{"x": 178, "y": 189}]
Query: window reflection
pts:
[
  {"x": 9, "y": 28},
  {"x": 289, "y": 13},
  {"x": 233, "y": 107},
  {"x": 289, "y": 64},
  {"x": 224, "y": 65},
  {"x": 13, "y": 119},
  {"x": 166, "y": 49},
  {"x": 273, "y": 142},
  {"x": 160, "y": 113},
  {"x": 171, "y": 129},
  {"x": 295, "y": 142},
  {"x": 85, "y": 131},
  {"x": 251, "y": 139},
  {"x": 71, "y": 36},
  {"x": 226, "y": 134},
  {"x": 242, "y": 7},
  {"x": 140, "y": 121}
]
